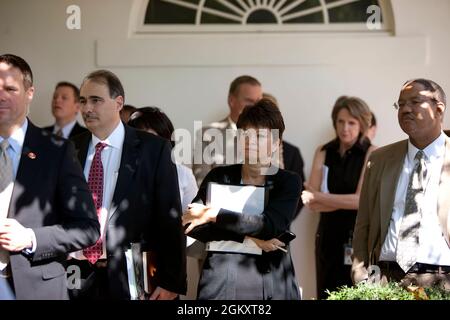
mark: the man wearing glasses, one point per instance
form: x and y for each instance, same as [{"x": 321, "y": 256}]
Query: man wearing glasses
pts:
[{"x": 403, "y": 223}]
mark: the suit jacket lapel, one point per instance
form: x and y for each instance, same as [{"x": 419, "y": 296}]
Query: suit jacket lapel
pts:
[
  {"x": 444, "y": 193},
  {"x": 389, "y": 180},
  {"x": 83, "y": 147},
  {"x": 128, "y": 166},
  {"x": 30, "y": 163}
]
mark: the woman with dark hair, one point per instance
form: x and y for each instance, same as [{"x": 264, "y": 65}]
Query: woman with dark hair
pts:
[
  {"x": 153, "y": 120},
  {"x": 268, "y": 274},
  {"x": 333, "y": 190}
]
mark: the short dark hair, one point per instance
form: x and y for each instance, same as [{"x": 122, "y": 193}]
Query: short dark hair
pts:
[
  {"x": 264, "y": 114},
  {"x": 430, "y": 85},
  {"x": 128, "y": 108},
  {"x": 22, "y": 65},
  {"x": 357, "y": 108},
  {"x": 152, "y": 118},
  {"x": 236, "y": 84},
  {"x": 76, "y": 91},
  {"x": 109, "y": 79}
]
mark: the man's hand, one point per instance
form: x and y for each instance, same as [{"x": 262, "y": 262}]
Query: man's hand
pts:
[
  {"x": 163, "y": 294},
  {"x": 198, "y": 214},
  {"x": 15, "y": 237}
]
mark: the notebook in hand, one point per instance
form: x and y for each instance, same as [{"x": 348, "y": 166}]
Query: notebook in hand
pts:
[
  {"x": 246, "y": 199},
  {"x": 141, "y": 268}
]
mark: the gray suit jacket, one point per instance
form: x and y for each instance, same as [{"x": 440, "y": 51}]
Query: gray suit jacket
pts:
[{"x": 377, "y": 201}]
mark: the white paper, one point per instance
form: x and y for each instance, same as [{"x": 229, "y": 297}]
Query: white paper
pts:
[
  {"x": 324, "y": 184},
  {"x": 136, "y": 272},
  {"x": 131, "y": 275},
  {"x": 243, "y": 199}
]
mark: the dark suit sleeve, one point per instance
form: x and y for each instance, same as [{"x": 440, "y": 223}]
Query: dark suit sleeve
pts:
[
  {"x": 299, "y": 169},
  {"x": 210, "y": 231},
  {"x": 170, "y": 243},
  {"x": 275, "y": 219},
  {"x": 77, "y": 226},
  {"x": 295, "y": 164}
]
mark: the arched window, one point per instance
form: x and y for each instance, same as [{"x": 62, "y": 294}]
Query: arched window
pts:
[{"x": 261, "y": 15}]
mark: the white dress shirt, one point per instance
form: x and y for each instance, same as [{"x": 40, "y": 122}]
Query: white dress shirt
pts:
[
  {"x": 187, "y": 185},
  {"x": 188, "y": 190},
  {"x": 111, "y": 156},
  {"x": 66, "y": 130},
  {"x": 14, "y": 151},
  {"x": 433, "y": 248}
]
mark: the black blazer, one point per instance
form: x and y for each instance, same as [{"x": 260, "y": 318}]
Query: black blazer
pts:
[
  {"x": 145, "y": 207},
  {"x": 50, "y": 196},
  {"x": 283, "y": 192},
  {"x": 293, "y": 161},
  {"x": 234, "y": 276},
  {"x": 76, "y": 130}
]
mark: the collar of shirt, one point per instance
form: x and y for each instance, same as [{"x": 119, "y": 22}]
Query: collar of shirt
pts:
[
  {"x": 17, "y": 138},
  {"x": 16, "y": 141},
  {"x": 114, "y": 140},
  {"x": 433, "y": 151},
  {"x": 66, "y": 129}
]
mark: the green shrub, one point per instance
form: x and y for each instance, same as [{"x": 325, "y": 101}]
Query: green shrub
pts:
[{"x": 391, "y": 291}]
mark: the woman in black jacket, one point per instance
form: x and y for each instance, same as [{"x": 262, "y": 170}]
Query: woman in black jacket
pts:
[{"x": 240, "y": 276}]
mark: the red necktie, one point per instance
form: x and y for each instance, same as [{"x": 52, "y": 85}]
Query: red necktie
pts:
[{"x": 95, "y": 182}]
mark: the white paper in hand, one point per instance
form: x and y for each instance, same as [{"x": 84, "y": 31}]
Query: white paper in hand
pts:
[{"x": 237, "y": 198}]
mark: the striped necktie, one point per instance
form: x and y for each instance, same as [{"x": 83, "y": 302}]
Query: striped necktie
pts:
[{"x": 408, "y": 239}]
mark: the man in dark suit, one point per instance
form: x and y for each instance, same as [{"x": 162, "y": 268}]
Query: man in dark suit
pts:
[
  {"x": 46, "y": 210},
  {"x": 293, "y": 161},
  {"x": 291, "y": 158},
  {"x": 135, "y": 188},
  {"x": 65, "y": 107}
]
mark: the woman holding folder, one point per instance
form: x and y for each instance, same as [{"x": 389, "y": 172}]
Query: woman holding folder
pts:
[{"x": 234, "y": 269}]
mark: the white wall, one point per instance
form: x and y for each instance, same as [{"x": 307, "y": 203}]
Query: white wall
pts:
[{"x": 320, "y": 68}]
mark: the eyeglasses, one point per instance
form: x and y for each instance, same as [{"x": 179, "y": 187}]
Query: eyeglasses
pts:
[
  {"x": 261, "y": 133},
  {"x": 415, "y": 102}
]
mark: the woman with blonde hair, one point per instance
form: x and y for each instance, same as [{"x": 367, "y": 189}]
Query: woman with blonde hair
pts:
[{"x": 333, "y": 190}]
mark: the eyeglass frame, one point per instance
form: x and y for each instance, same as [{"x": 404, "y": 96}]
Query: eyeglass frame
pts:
[{"x": 410, "y": 102}]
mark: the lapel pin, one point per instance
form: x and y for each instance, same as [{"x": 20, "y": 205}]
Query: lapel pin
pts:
[{"x": 31, "y": 155}]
